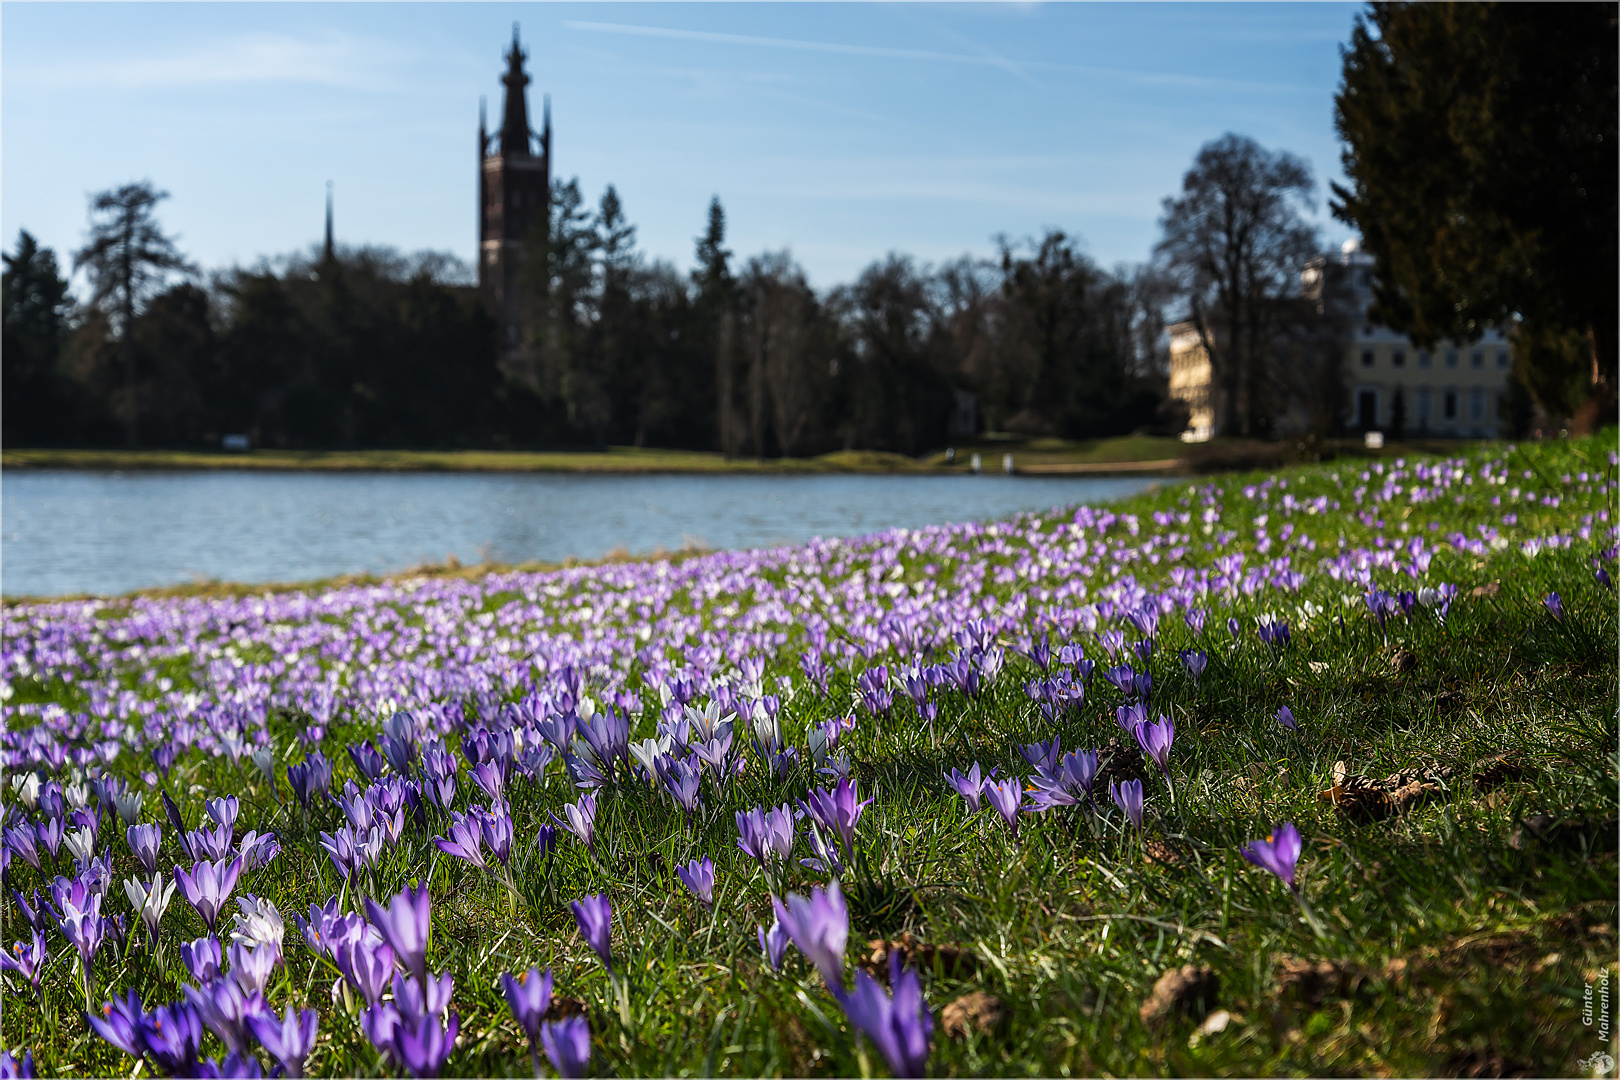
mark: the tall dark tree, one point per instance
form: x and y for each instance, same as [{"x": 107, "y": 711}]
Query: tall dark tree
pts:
[
  {"x": 127, "y": 257},
  {"x": 37, "y": 309},
  {"x": 715, "y": 314},
  {"x": 1235, "y": 242},
  {"x": 1480, "y": 145}
]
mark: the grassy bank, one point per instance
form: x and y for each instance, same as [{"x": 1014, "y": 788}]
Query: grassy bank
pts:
[{"x": 1442, "y": 632}]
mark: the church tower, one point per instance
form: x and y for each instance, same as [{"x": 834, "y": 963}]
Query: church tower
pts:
[{"x": 514, "y": 194}]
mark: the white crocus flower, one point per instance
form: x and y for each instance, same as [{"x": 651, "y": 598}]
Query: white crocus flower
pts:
[
  {"x": 259, "y": 924},
  {"x": 128, "y": 807},
  {"x": 81, "y": 843},
  {"x": 26, "y": 785},
  {"x": 150, "y": 903},
  {"x": 265, "y": 758}
]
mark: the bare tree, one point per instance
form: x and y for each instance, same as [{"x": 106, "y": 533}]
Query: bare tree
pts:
[
  {"x": 1234, "y": 243},
  {"x": 127, "y": 259},
  {"x": 779, "y": 337}
]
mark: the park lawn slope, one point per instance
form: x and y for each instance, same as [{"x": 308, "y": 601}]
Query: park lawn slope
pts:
[{"x": 1441, "y": 630}]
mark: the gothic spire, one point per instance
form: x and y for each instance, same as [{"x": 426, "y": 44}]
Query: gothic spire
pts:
[
  {"x": 326, "y": 252},
  {"x": 515, "y": 123}
]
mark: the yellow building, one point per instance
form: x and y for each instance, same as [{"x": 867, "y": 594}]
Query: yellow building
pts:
[{"x": 1455, "y": 389}]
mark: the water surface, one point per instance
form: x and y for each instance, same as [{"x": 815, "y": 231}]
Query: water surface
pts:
[{"x": 96, "y": 532}]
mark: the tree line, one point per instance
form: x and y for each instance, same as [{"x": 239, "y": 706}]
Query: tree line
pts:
[{"x": 368, "y": 348}]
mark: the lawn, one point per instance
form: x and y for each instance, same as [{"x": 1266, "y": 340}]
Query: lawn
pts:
[{"x": 1410, "y": 660}]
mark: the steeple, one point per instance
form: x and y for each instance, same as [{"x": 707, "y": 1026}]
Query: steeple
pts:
[
  {"x": 515, "y": 123},
  {"x": 326, "y": 252},
  {"x": 545, "y": 130}
]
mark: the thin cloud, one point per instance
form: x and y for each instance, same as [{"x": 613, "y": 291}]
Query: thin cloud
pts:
[
  {"x": 336, "y": 60},
  {"x": 1014, "y": 67}
]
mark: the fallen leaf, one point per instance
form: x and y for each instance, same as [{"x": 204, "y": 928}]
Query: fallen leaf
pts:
[
  {"x": 1185, "y": 991},
  {"x": 976, "y": 1012}
]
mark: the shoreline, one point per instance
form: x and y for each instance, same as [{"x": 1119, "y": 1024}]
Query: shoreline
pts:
[{"x": 627, "y": 461}]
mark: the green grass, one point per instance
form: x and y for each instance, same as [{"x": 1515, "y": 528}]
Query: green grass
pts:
[{"x": 1465, "y": 941}]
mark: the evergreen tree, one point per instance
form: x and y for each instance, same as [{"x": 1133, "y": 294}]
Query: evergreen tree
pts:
[
  {"x": 1480, "y": 148},
  {"x": 127, "y": 258},
  {"x": 37, "y": 312}
]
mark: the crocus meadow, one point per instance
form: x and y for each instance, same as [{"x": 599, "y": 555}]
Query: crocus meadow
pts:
[{"x": 642, "y": 817}]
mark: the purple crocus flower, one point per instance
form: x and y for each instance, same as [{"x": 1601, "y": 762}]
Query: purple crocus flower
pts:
[
  {"x": 1128, "y": 716},
  {"x": 208, "y": 886},
  {"x": 224, "y": 1008},
  {"x": 423, "y": 1047},
  {"x": 86, "y": 929},
  {"x": 683, "y": 781},
  {"x": 698, "y": 877},
  {"x": 26, "y": 960},
  {"x": 1277, "y": 853},
  {"x": 288, "y": 1039},
  {"x": 765, "y": 834},
  {"x": 581, "y": 818},
  {"x": 234, "y": 1067},
  {"x": 529, "y": 994},
  {"x": 1555, "y": 604},
  {"x": 1006, "y": 796},
  {"x": 404, "y": 926},
  {"x": 594, "y": 914},
  {"x": 20, "y": 839},
  {"x": 1234, "y": 628},
  {"x": 773, "y": 943},
  {"x": 144, "y": 841},
  {"x": 1156, "y": 740},
  {"x": 900, "y": 1025},
  {"x": 464, "y": 839},
  {"x": 367, "y": 760},
  {"x": 969, "y": 786},
  {"x": 203, "y": 958},
  {"x": 49, "y": 834},
  {"x": 1285, "y": 717},
  {"x": 311, "y": 778},
  {"x": 1195, "y": 661},
  {"x": 119, "y": 1023},
  {"x": 367, "y": 964},
  {"x": 171, "y": 1035},
  {"x": 837, "y": 811},
  {"x": 1043, "y": 756},
  {"x": 496, "y": 824},
  {"x": 252, "y": 965},
  {"x": 1128, "y": 797},
  {"x": 819, "y": 926},
  {"x": 21, "y": 1068},
  {"x": 568, "y": 1045}
]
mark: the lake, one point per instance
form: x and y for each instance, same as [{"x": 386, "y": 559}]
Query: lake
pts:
[{"x": 95, "y": 532}]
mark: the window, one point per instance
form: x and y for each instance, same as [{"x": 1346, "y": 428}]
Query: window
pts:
[
  {"x": 1451, "y": 405},
  {"x": 1477, "y": 358},
  {"x": 1476, "y": 404},
  {"x": 1425, "y": 406},
  {"x": 1366, "y": 358},
  {"x": 1398, "y": 358},
  {"x": 1451, "y": 358},
  {"x": 1502, "y": 359},
  {"x": 1424, "y": 359}
]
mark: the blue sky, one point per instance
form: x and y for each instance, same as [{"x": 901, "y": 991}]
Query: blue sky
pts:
[{"x": 841, "y": 131}]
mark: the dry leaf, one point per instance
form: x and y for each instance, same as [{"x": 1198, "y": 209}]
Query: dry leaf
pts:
[
  {"x": 1185, "y": 991},
  {"x": 978, "y": 1011}
]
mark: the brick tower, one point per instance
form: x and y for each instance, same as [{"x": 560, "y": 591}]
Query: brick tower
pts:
[{"x": 514, "y": 194}]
